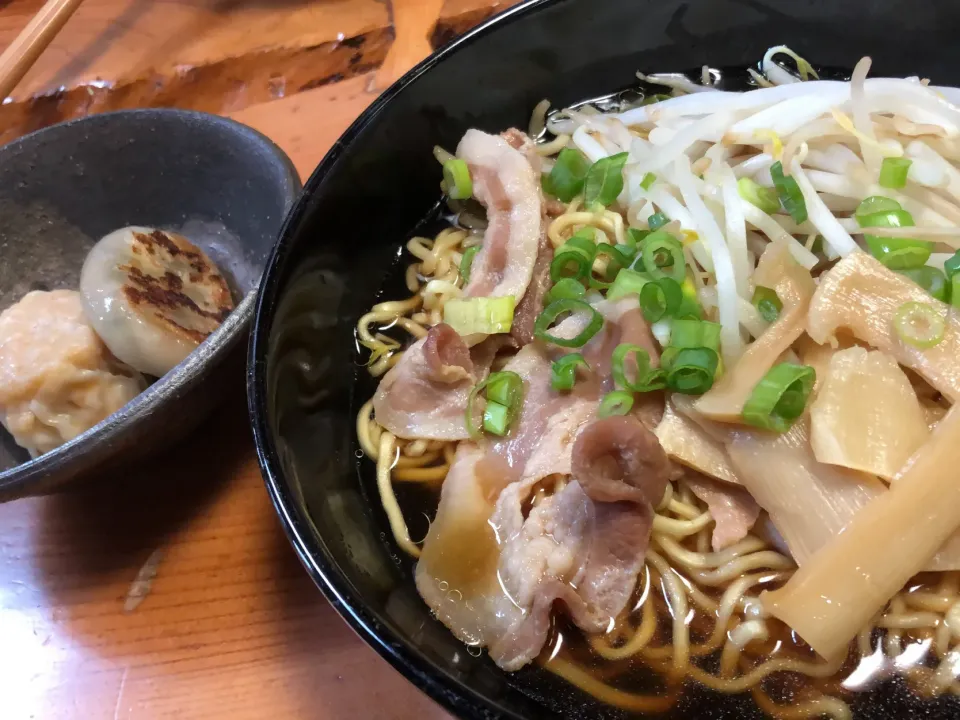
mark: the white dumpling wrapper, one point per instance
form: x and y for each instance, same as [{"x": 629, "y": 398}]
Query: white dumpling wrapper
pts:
[{"x": 152, "y": 296}]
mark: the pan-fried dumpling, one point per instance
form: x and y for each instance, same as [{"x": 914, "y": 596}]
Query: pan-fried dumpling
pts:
[
  {"x": 152, "y": 296},
  {"x": 57, "y": 379}
]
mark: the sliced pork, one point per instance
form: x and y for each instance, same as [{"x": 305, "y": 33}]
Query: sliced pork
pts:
[
  {"x": 506, "y": 184},
  {"x": 733, "y": 509},
  {"x": 425, "y": 394},
  {"x": 531, "y": 306}
]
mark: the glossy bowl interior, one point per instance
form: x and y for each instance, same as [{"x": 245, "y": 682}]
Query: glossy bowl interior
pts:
[
  {"x": 223, "y": 185},
  {"x": 368, "y": 195}
]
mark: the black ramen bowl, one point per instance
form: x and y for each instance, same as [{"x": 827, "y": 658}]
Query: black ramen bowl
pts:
[
  {"x": 222, "y": 185},
  {"x": 342, "y": 242}
]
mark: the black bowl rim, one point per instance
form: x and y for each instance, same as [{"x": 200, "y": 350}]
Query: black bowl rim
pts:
[
  {"x": 16, "y": 481},
  {"x": 448, "y": 691}
]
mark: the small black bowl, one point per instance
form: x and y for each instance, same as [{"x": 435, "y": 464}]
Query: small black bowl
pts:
[
  {"x": 344, "y": 237},
  {"x": 221, "y": 184}
]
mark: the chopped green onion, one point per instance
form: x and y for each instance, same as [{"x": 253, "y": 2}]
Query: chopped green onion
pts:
[
  {"x": 875, "y": 204},
  {"x": 504, "y": 400},
  {"x": 893, "y": 172},
  {"x": 504, "y": 388},
  {"x": 767, "y": 303},
  {"x": 780, "y": 397},
  {"x": 762, "y": 197},
  {"x": 636, "y": 236},
  {"x": 662, "y": 256},
  {"x": 895, "y": 253},
  {"x": 789, "y": 192},
  {"x": 919, "y": 324},
  {"x": 570, "y": 265},
  {"x": 646, "y": 378},
  {"x": 485, "y": 315},
  {"x": 456, "y": 175},
  {"x": 648, "y": 180},
  {"x": 560, "y": 307},
  {"x": 565, "y": 289},
  {"x": 563, "y": 372},
  {"x": 467, "y": 262},
  {"x": 567, "y": 175},
  {"x": 579, "y": 251},
  {"x": 627, "y": 282},
  {"x": 694, "y": 334},
  {"x": 660, "y": 298},
  {"x": 690, "y": 307},
  {"x": 952, "y": 266},
  {"x": 955, "y": 290},
  {"x": 604, "y": 180},
  {"x": 618, "y": 260},
  {"x": 693, "y": 370},
  {"x": 617, "y": 402},
  {"x": 657, "y": 221},
  {"x": 886, "y": 219},
  {"x": 899, "y": 253},
  {"x": 496, "y": 418},
  {"x": 930, "y": 279},
  {"x": 628, "y": 250}
]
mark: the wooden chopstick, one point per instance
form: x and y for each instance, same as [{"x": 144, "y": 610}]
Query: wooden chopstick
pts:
[{"x": 23, "y": 52}]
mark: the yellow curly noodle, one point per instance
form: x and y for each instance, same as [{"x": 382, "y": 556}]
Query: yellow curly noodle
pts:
[{"x": 692, "y": 604}]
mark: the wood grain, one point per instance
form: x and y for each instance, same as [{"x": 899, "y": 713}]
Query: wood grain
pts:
[
  {"x": 230, "y": 626},
  {"x": 21, "y": 54},
  {"x": 216, "y": 55}
]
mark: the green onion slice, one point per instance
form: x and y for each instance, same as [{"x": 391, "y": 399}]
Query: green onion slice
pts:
[
  {"x": 466, "y": 262},
  {"x": 626, "y": 283},
  {"x": 574, "y": 258},
  {"x": 695, "y": 333},
  {"x": 648, "y": 180},
  {"x": 893, "y": 172},
  {"x": 636, "y": 236},
  {"x": 456, "y": 175},
  {"x": 952, "y": 266},
  {"x": 886, "y": 219},
  {"x": 692, "y": 370},
  {"x": 646, "y": 378},
  {"x": 567, "y": 175},
  {"x": 485, "y": 315},
  {"x": 662, "y": 256},
  {"x": 762, "y": 197},
  {"x": 919, "y": 324},
  {"x": 504, "y": 389},
  {"x": 789, "y": 192},
  {"x": 496, "y": 418},
  {"x": 617, "y": 261},
  {"x": 767, "y": 303},
  {"x": 875, "y": 204},
  {"x": 780, "y": 397},
  {"x": 604, "y": 180},
  {"x": 690, "y": 307},
  {"x": 930, "y": 279},
  {"x": 660, "y": 298},
  {"x": 657, "y": 221},
  {"x": 565, "y": 289},
  {"x": 554, "y": 310},
  {"x": 617, "y": 402},
  {"x": 955, "y": 290},
  {"x": 899, "y": 253},
  {"x": 563, "y": 372}
]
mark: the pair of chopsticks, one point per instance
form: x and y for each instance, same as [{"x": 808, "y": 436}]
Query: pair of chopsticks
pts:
[{"x": 23, "y": 52}]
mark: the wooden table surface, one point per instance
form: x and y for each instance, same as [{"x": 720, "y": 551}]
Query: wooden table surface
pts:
[{"x": 169, "y": 590}]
